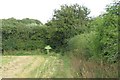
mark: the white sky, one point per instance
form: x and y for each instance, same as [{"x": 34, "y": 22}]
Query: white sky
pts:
[{"x": 43, "y": 9}]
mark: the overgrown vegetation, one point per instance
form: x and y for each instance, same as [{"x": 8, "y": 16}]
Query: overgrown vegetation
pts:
[{"x": 70, "y": 32}]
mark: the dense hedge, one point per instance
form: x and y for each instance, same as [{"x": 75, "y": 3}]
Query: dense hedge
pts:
[
  {"x": 23, "y": 35},
  {"x": 14, "y": 38},
  {"x": 83, "y": 45}
]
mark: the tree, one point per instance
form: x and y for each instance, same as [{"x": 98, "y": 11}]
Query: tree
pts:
[
  {"x": 69, "y": 21},
  {"x": 106, "y": 27}
]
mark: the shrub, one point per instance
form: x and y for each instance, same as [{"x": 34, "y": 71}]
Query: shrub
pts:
[{"x": 83, "y": 44}]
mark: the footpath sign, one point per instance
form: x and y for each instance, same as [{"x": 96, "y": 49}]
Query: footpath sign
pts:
[{"x": 48, "y": 48}]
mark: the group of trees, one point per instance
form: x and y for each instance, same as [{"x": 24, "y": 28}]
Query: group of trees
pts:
[
  {"x": 68, "y": 21},
  {"x": 101, "y": 40},
  {"x": 23, "y": 34},
  {"x": 70, "y": 29}
]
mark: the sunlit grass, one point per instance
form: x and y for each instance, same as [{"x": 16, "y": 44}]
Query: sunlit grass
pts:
[
  {"x": 40, "y": 66},
  {"x": 7, "y": 59}
]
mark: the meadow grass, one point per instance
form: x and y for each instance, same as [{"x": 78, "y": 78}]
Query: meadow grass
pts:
[
  {"x": 55, "y": 65},
  {"x": 91, "y": 68},
  {"x": 7, "y": 59},
  {"x": 52, "y": 65}
]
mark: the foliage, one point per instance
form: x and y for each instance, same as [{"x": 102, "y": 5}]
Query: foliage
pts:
[
  {"x": 70, "y": 28},
  {"x": 108, "y": 33},
  {"x": 68, "y": 21},
  {"x": 101, "y": 41},
  {"x": 83, "y": 44},
  {"x": 23, "y": 37}
]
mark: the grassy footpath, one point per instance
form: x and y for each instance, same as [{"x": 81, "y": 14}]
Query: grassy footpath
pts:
[{"x": 36, "y": 66}]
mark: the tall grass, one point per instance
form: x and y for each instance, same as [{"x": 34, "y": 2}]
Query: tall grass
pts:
[
  {"x": 86, "y": 59},
  {"x": 23, "y": 52},
  {"x": 91, "y": 68}
]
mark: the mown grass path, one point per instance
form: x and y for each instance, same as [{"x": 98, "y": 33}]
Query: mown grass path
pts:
[{"x": 37, "y": 66}]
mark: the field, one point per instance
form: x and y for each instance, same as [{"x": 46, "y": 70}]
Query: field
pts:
[
  {"x": 23, "y": 64},
  {"x": 35, "y": 66}
]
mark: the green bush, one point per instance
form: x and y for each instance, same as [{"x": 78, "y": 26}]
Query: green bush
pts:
[
  {"x": 83, "y": 44},
  {"x": 20, "y": 36}
]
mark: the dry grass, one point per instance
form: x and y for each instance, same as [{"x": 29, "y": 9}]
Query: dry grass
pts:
[
  {"x": 37, "y": 66},
  {"x": 92, "y": 69}
]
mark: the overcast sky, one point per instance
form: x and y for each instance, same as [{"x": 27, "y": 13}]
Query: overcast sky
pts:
[{"x": 43, "y": 9}]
